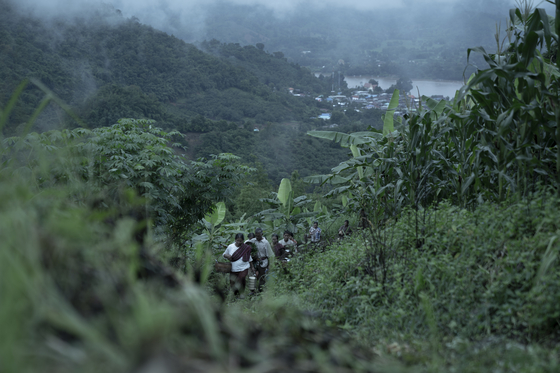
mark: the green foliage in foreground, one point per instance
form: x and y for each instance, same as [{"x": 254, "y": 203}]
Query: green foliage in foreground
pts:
[
  {"x": 81, "y": 291},
  {"x": 452, "y": 283},
  {"x": 132, "y": 154},
  {"x": 441, "y": 288}
]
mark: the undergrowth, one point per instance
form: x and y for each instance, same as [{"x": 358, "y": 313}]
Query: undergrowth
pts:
[
  {"x": 459, "y": 285},
  {"x": 81, "y": 289}
]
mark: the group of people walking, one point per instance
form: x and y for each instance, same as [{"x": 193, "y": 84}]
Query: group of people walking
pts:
[
  {"x": 242, "y": 260},
  {"x": 245, "y": 260}
]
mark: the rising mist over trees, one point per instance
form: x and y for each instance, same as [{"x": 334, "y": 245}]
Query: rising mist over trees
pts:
[
  {"x": 108, "y": 67},
  {"x": 420, "y": 39}
]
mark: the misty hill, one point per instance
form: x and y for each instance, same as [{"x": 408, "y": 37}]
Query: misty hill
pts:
[
  {"x": 421, "y": 40},
  {"x": 108, "y": 67}
]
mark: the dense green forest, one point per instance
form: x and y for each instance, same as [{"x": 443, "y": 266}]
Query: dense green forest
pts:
[
  {"x": 110, "y": 234},
  {"x": 107, "y": 67}
]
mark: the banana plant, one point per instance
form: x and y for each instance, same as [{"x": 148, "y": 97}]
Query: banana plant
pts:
[
  {"x": 207, "y": 243},
  {"x": 215, "y": 237},
  {"x": 364, "y": 172},
  {"x": 286, "y": 212},
  {"x": 211, "y": 222}
]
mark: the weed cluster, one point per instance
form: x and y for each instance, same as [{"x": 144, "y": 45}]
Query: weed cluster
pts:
[{"x": 448, "y": 276}]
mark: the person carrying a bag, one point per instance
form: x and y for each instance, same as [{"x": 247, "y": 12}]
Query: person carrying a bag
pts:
[{"x": 239, "y": 254}]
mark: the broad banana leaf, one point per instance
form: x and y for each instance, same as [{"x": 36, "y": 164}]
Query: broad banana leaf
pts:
[
  {"x": 321, "y": 179},
  {"x": 270, "y": 200},
  {"x": 289, "y": 204},
  {"x": 356, "y": 153},
  {"x": 200, "y": 238},
  {"x": 300, "y": 199},
  {"x": 217, "y": 215},
  {"x": 233, "y": 225},
  {"x": 269, "y": 211},
  {"x": 318, "y": 179},
  {"x": 337, "y": 191},
  {"x": 273, "y": 216},
  {"x": 284, "y": 191},
  {"x": 372, "y": 134},
  {"x": 317, "y": 206}
]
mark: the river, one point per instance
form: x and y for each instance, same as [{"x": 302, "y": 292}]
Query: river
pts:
[{"x": 426, "y": 87}]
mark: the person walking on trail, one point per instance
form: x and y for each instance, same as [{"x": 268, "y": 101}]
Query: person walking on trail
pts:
[
  {"x": 264, "y": 253},
  {"x": 239, "y": 254},
  {"x": 315, "y": 232},
  {"x": 289, "y": 242},
  {"x": 278, "y": 248},
  {"x": 344, "y": 230}
]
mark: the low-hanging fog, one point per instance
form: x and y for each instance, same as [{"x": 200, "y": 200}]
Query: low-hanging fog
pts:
[
  {"x": 190, "y": 18},
  {"x": 364, "y": 36}
]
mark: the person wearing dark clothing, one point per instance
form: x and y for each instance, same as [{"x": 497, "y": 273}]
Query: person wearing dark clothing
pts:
[
  {"x": 345, "y": 229},
  {"x": 278, "y": 248}
]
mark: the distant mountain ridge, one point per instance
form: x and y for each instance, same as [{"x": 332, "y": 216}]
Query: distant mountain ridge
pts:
[{"x": 421, "y": 39}]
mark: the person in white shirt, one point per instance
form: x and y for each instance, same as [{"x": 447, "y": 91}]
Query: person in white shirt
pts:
[
  {"x": 289, "y": 242},
  {"x": 264, "y": 252},
  {"x": 315, "y": 232},
  {"x": 239, "y": 254}
]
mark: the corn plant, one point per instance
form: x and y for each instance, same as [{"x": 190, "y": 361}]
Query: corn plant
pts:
[{"x": 499, "y": 136}]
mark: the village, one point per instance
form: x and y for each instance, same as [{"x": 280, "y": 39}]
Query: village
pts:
[{"x": 366, "y": 98}]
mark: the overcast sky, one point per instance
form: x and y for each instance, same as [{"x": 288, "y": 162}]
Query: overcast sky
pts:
[
  {"x": 158, "y": 7},
  {"x": 176, "y": 16},
  {"x": 130, "y": 6}
]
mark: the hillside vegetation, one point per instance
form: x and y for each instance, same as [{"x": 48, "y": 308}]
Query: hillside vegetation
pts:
[
  {"x": 109, "y": 238},
  {"x": 107, "y": 67},
  {"x": 104, "y": 67}
]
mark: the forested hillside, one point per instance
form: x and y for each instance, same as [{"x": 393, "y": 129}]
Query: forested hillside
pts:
[{"x": 107, "y": 67}]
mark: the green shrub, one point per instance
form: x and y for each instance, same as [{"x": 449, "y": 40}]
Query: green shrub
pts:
[{"x": 493, "y": 271}]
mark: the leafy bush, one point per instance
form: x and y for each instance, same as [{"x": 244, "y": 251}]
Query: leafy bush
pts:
[
  {"x": 493, "y": 271},
  {"x": 131, "y": 154},
  {"x": 81, "y": 289}
]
